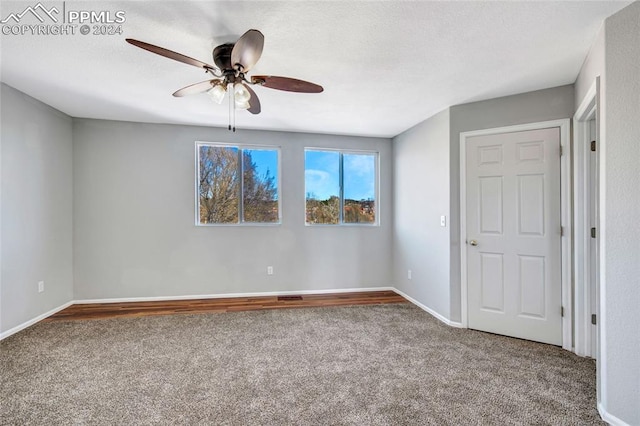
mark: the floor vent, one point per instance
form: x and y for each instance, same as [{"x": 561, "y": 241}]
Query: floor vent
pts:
[{"x": 288, "y": 298}]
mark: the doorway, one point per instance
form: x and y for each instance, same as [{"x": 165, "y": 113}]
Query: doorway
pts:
[{"x": 515, "y": 231}]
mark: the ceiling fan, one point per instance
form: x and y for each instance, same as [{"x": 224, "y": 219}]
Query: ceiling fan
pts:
[{"x": 232, "y": 63}]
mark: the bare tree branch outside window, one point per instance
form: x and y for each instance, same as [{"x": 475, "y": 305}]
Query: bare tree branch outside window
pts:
[{"x": 223, "y": 178}]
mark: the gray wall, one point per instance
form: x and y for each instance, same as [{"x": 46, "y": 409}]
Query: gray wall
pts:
[
  {"x": 620, "y": 210},
  {"x": 36, "y": 217},
  {"x": 134, "y": 232},
  {"x": 592, "y": 67},
  {"x": 421, "y": 196},
  {"x": 542, "y": 105}
]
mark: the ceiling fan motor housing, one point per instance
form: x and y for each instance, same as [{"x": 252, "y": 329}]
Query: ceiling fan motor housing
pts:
[{"x": 222, "y": 56}]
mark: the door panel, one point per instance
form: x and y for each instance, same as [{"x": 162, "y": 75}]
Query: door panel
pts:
[
  {"x": 531, "y": 205},
  {"x": 513, "y": 212},
  {"x": 492, "y": 282},
  {"x": 491, "y": 205},
  {"x": 531, "y": 286}
]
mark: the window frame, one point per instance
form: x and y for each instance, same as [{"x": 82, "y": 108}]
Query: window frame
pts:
[
  {"x": 240, "y": 147},
  {"x": 342, "y": 152}
]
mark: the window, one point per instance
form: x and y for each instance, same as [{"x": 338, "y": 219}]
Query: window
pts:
[
  {"x": 340, "y": 187},
  {"x": 237, "y": 184}
]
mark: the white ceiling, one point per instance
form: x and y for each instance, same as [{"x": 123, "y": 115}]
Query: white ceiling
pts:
[{"x": 385, "y": 66}]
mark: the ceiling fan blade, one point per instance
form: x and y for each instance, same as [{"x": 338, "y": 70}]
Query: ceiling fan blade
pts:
[
  {"x": 254, "y": 102},
  {"x": 286, "y": 83},
  {"x": 247, "y": 50},
  {"x": 170, "y": 54},
  {"x": 192, "y": 89}
]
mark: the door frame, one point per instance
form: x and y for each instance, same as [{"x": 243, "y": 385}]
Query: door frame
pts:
[
  {"x": 566, "y": 219},
  {"x": 583, "y": 338}
]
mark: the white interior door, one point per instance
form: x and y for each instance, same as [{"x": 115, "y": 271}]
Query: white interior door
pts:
[{"x": 513, "y": 234}]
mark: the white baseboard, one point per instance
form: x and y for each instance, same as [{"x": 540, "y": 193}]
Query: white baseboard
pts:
[
  {"x": 39, "y": 318},
  {"x": 610, "y": 418},
  {"x": 32, "y": 321},
  {"x": 429, "y": 310},
  {"x": 230, "y": 295}
]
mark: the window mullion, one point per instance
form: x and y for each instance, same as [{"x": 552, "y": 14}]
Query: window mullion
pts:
[
  {"x": 241, "y": 186},
  {"x": 341, "y": 214}
]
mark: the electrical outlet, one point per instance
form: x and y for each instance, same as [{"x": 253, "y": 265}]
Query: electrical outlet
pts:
[
  {"x": 269, "y": 270},
  {"x": 443, "y": 221},
  {"x": 409, "y": 274},
  {"x": 40, "y": 286}
]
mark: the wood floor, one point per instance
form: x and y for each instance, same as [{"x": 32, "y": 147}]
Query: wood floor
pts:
[{"x": 138, "y": 309}]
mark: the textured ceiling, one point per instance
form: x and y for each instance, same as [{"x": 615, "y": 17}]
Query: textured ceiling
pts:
[{"x": 385, "y": 66}]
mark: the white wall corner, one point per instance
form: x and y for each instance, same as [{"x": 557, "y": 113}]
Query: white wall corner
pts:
[
  {"x": 610, "y": 418},
  {"x": 437, "y": 315},
  {"x": 33, "y": 321}
]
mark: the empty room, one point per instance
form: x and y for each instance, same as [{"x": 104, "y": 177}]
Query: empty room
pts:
[{"x": 320, "y": 212}]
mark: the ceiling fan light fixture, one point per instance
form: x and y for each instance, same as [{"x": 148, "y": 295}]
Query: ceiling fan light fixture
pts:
[
  {"x": 241, "y": 94},
  {"x": 216, "y": 93},
  {"x": 242, "y": 105}
]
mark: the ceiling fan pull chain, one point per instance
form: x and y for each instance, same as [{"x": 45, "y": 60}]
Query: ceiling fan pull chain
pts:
[
  {"x": 233, "y": 106},
  {"x": 230, "y": 102}
]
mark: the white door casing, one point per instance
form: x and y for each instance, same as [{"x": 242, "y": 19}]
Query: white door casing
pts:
[
  {"x": 513, "y": 212},
  {"x": 593, "y": 261},
  {"x": 586, "y": 216}
]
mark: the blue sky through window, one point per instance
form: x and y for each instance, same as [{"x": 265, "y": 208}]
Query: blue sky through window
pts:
[
  {"x": 265, "y": 159},
  {"x": 359, "y": 176},
  {"x": 322, "y": 175}
]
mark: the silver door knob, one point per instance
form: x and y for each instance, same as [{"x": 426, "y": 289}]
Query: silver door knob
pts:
[{"x": 473, "y": 243}]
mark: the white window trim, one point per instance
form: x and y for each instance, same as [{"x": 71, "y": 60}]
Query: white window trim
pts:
[
  {"x": 341, "y": 189},
  {"x": 240, "y": 147}
]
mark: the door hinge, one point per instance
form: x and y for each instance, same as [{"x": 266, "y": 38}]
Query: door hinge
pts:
[
  {"x": 562, "y": 231},
  {"x": 593, "y": 146},
  {"x": 561, "y": 151},
  {"x": 593, "y": 319},
  {"x": 562, "y": 311},
  {"x": 593, "y": 232}
]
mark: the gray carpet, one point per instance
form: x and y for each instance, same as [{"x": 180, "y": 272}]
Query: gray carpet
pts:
[{"x": 373, "y": 365}]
